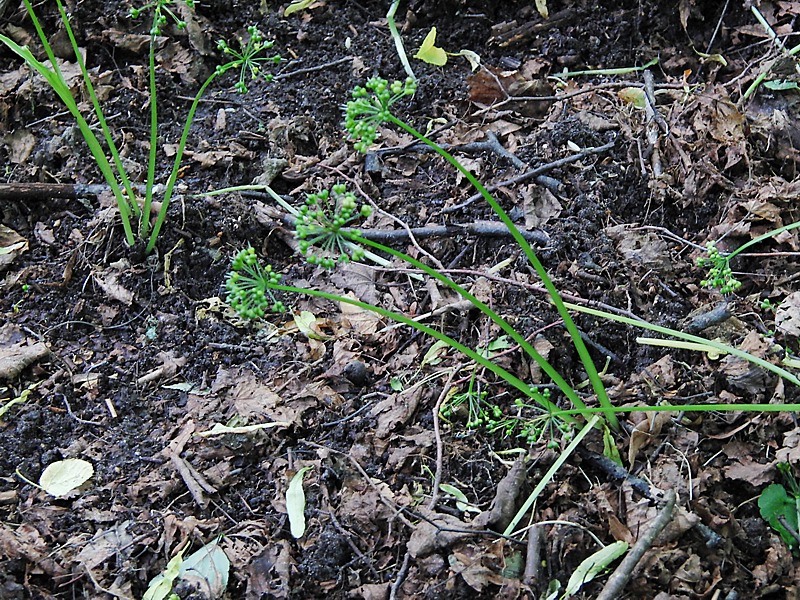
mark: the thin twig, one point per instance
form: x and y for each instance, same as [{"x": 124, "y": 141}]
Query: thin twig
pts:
[
  {"x": 532, "y": 556},
  {"x": 619, "y": 578},
  {"x": 533, "y": 173},
  {"x": 401, "y": 577},
  {"x": 74, "y": 416},
  {"x": 321, "y": 67},
  {"x": 437, "y": 478}
]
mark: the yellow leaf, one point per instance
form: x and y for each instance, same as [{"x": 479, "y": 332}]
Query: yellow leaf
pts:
[
  {"x": 61, "y": 477},
  {"x": 429, "y": 53},
  {"x": 296, "y": 6},
  {"x": 633, "y": 95}
]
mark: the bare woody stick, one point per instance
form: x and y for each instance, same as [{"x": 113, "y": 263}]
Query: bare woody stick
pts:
[{"x": 622, "y": 574}]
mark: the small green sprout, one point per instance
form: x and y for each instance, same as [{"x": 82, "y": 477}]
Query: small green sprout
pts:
[
  {"x": 248, "y": 286},
  {"x": 370, "y": 107},
  {"x": 247, "y": 59},
  {"x": 320, "y": 224},
  {"x": 720, "y": 274}
]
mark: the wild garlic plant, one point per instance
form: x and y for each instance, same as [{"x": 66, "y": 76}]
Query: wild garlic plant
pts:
[
  {"x": 370, "y": 108},
  {"x": 134, "y": 211}
]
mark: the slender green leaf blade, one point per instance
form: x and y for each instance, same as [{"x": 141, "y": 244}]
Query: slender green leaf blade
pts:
[{"x": 593, "y": 565}]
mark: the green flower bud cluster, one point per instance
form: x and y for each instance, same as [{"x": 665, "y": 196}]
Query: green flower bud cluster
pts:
[
  {"x": 161, "y": 12},
  {"x": 248, "y": 286},
  {"x": 247, "y": 60},
  {"x": 370, "y": 107},
  {"x": 320, "y": 223},
  {"x": 720, "y": 274}
]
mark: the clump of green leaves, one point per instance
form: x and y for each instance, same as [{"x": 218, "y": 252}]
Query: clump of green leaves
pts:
[
  {"x": 248, "y": 286},
  {"x": 319, "y": 227},
  {"x": 481, "y": 414},
  {"x": 780, "y": 508},
  {"x": 370, "y": 107},
  {"x": 720, "y": 275}
]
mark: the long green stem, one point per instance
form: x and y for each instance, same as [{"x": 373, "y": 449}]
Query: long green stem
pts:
[
  {"x": 144, "y": 226},
  {"x": 112, "y": 147},
  {"x": 567, "y": 389},
  {"x": 508, "y": 377},
  {"x": 398, "y": 41},
  {"x": 583, "y": 352},
  {"x": 56, "y": 80},
  {"x": 722, "y": 348},
  {"x": 176, "y": 165}
]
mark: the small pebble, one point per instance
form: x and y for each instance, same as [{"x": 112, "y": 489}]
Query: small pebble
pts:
[{"x": 357, "y": 373}]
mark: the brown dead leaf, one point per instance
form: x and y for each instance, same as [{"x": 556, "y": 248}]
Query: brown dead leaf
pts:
[
  {"x": 137, "y": 43},
  {"x": 395, "y": 410},
  {"x": 108, "y": 281},
  {"x": 268, "y": 572},
  {"x": 645, "y": 431},
  {"x": 641, "y": 248},
  {"x": 14, "y": 357},
  {"x": 12, "y": 245},
  {"x": 437, "y": 532},
  {"x": 787, "y": 316},
  {"x": 106, "y": 544},
  {"x": 25, "y": 542},
  {"x": 742, "y": 375},
  {"x": 747, "y": 470},
  {"x": 363, "y": 322},
  {"x": 254, "y": 400},
  {"x": 540, "y": 206},
  {"x": 469, "y": 563},
  {"x": 20, "y": 145}
]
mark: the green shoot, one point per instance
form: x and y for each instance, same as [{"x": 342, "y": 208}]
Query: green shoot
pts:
[
  {"x": 781, "y": 507},
  {"x": 720, "y": 274},
  {"x": 248, "y": 60}
]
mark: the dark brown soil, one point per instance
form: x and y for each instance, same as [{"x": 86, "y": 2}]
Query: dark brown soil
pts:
[{"x": 142, "y": 354}]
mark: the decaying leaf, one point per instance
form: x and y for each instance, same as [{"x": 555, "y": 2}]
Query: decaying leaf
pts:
[
  {"x": 296, "y": 503},
  {"x": 109, "y": 283},
  {"x": 12, "y": 245},
  {"x": 787, "y": 316},
  {"x": 14, "y": 357},
  {"x": 63, "y": 476},
  {"x": 208, "y": 569}
]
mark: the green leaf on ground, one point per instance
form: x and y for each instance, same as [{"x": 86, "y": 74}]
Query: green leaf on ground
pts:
[{"x": 429, "y": 52}]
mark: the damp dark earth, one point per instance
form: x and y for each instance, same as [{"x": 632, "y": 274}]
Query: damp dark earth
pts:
[{"x": 383, "y": 434}]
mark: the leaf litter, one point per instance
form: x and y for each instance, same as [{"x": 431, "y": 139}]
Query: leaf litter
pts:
[{"x": 287, "y": 396}]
